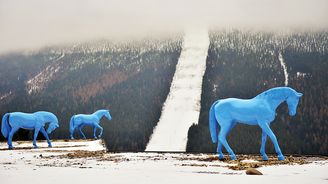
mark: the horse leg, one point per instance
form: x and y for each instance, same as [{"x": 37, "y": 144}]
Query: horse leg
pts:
[
  {"x": 262, "y": 150},
  {"x": 222, "y": 138},
  {"x": 10, "y": 137},
  {"x": 101, "y": 130},
  {"x": 94, "y": 131},
  {"x": 219, "y": 150},
  {"x": 265, "y": 127},
  {"x": 45, "y": 134},
  {"x": 71, "y": 134},
  {"x": 80, "y": 131},
  {"x": 36, "y": 132}
]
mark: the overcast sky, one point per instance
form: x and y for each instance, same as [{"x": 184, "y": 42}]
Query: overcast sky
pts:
[{"x": 28, "y": 24}]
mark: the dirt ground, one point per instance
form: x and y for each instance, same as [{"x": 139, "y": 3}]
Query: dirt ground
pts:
[{"x": 203, "y": 159}]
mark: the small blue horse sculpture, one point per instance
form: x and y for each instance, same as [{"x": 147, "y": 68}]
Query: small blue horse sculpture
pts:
[
  {"x": 11, "y": 122},
  {"x": 260, "y": 110},
  {"x": 80, "y": 120}
]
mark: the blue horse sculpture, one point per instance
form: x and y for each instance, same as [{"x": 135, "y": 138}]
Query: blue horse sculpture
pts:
[
  {"x": 80, "y": 120},
  {"x": 260, "y": 110},
  {"x": 11, "y": 122}
]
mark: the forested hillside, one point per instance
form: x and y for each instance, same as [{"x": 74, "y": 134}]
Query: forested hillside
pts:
[
  {"x": 132, "y": 79},
  {"x": 243, "y": 64}
]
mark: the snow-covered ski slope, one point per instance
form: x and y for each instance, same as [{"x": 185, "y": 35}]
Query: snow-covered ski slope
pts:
[{"x": 182, "y": 106}]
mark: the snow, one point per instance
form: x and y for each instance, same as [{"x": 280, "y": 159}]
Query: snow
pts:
[
  {"x": 301, "y": 74},
  {"x": 249, "y": 161},
  {"x": 284, "y": 67},
  {"x": 39, "y": 81},
  {"x": 5, "y": 95},
  {"x": 182, "y": 106},
  {"x": 25, "y": 164}
]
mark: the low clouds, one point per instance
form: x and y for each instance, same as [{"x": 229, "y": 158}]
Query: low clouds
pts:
[{"x": 36, "y": 23}]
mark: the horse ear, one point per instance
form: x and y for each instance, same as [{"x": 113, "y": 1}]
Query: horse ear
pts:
[{"x": 299, "y": 94}]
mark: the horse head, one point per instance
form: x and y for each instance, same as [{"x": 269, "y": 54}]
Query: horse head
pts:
[
  {"x": 103, "y": 112},
  {"x": 53, "y": 124},
  {"x": 108, "y": 116},
  {"x": 292, "y": 102}
]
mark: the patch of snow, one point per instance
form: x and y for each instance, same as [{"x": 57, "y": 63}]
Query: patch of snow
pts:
[
  {"x": 249, "y": 161},
  {"x": 284, "y": 67},
  {"x": 301, "y": 74},
  {"x": 307, "y": 173},
  {"x": 39, "y": 81},
  {"x": 5, "y": 96},
  {"x": 215, "y": 86},
  {"x": 88, "y": 145},
  {"x": 182, "y": 106}
]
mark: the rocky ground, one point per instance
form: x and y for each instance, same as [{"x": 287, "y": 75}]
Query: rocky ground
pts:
[{"x": 87, "y": 161}]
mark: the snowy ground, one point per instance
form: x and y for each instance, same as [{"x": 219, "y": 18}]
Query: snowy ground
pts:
[{"x": 87, "y": 162}]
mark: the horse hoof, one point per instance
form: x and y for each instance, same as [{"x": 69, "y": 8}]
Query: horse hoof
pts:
[
  {"x": 233, "y": 157},
  {"x": 50, "y": 146},
  {"x": 281, "y": 157},
  {"x": 35, "y": 147},
  {"x": 10, "y": 147},
  {"x": 221, "y": 157},
  {"x": 265, "y": 158}
]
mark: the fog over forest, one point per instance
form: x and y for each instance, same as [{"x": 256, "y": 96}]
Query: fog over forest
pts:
[{"x": 37, "y": 23}]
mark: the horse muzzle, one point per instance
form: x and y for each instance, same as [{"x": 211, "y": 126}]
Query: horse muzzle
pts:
[
  {"x": 49, "y": 131},
  {"x": 292, "y": 113}
]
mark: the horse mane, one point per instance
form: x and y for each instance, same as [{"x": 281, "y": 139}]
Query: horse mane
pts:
[
  {"x": 100, "y": 110},
  {"x": 276, "y": 93},
  {"x": 46, "y": 114}
]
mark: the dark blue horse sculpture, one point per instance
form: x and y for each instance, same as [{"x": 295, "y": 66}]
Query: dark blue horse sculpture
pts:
[
  {"x": 11, "y": 122},
  {"x": 80, "y": 120},
  {"x": 260, "y": 110}
]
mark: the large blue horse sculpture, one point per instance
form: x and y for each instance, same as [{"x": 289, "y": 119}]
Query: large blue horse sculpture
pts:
[
  {"x": 11, "y": 122},
  {"x": 260, "y": 110},
  {"x": 80, "y": 120}
]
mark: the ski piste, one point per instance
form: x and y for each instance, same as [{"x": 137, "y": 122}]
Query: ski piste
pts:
[{"x": 182, "y": 106}]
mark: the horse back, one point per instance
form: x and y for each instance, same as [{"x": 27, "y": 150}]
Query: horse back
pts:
[
  {"x": 243, "y": 110},
  {"x": 23, "y": 120},
  {"x": 85, "y": 119}
]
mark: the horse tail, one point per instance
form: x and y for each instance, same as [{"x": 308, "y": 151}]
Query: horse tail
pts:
[
  {"x": 213, "y": 124},
  {"x": 71, "y": 125},
  {"x": 5, "y": 127}
]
